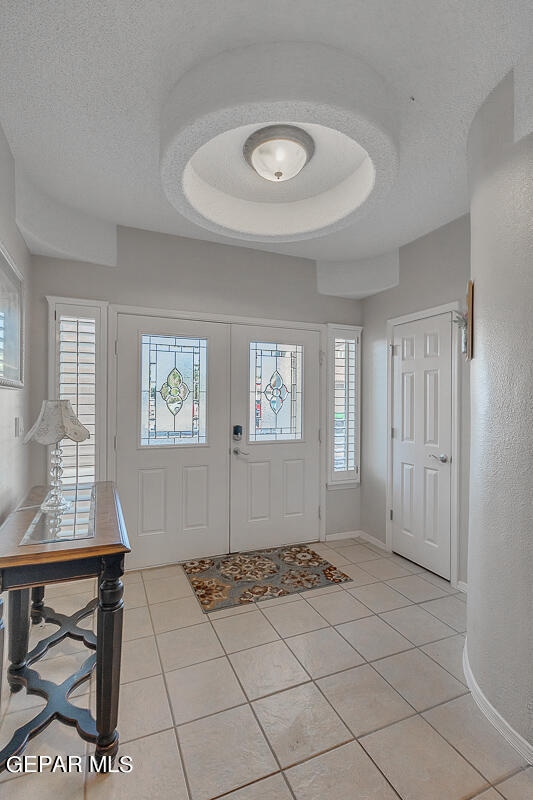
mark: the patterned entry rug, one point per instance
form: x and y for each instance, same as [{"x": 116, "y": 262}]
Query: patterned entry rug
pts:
[{"x": 240, "y": 578}]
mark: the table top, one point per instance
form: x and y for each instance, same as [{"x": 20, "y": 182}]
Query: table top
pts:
[{"x": 109, "y": 533}]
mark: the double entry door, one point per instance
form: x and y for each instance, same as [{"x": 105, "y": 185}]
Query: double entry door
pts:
[{"x": 217, "y": 436}]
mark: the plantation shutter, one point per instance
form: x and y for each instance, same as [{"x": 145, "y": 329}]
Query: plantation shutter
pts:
[
  {"x": 344, "y": 406},
  {"x": 78, "y": 371}
]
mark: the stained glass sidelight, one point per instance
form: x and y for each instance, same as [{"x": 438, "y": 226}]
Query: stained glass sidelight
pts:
[
  {"x": 275, "y": 391},
  {"x": 173, "y": 390}
]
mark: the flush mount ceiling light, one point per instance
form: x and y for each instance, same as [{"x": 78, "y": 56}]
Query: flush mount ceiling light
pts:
[
  {"x": 322, "y": 130},
  {"x": 278, "y": 152}
]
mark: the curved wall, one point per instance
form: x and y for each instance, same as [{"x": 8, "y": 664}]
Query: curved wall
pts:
[{"x": 500, "y": 561}]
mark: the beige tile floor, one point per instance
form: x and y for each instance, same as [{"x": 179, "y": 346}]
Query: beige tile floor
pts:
[{"x": 340, "y": 693}]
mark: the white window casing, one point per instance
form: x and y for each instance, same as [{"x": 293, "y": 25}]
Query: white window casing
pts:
[
  {"x": 77, "y": 355},
  {"x": 344, "y": 405}
]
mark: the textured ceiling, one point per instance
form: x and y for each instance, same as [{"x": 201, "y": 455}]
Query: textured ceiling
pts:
[{"x": 83, "y": 85}]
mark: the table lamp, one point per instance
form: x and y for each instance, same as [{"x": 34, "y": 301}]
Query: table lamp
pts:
[{"x": 56, "y": 421}]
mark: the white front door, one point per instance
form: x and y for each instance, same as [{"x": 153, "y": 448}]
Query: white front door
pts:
[
  {"x": 421, "y": 444},
  {"x": 275, "y": 378},
  {"x": 172, "y": 432},
  {"x": 174, "y": 437}
]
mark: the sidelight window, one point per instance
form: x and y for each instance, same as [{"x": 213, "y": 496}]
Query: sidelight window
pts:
[{"x": 344, "y": 404}]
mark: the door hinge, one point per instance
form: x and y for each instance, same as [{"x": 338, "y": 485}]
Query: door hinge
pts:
[
  {"x": 319, "y": 512},
  {"x": 320, "y": 435},
  {"x": 391, "y": 513},
  {"x": 321, "y": 357},
  {"x": 115, "y": 443},
  {"x": 394, "y": 349},
  {"x": 116, "y": 347},
  {"x": 357, "y": 470},
  {"x": 392, "y": 433}
]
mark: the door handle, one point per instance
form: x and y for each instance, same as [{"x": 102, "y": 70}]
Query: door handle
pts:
[
  {"x": 442, "y": 457},
  {"x": 238, "y": 452}
]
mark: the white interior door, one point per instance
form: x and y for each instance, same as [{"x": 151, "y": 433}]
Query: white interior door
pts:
[
  {"x": 275, "y": 380},
  {"x": 421, "y": 444},
  {"x": 172, "y": 458}
]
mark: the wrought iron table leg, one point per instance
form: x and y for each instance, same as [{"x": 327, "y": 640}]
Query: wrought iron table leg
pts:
[
  {"x": 37, "y": 604},
  {"x": 108, "y": 653},
  {"x": 19, "y": 632}
]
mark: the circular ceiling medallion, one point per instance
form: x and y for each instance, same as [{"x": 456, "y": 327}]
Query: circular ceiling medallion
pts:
[{"x": 329, "y": 128}]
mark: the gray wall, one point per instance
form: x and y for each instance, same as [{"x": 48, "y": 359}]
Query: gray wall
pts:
[
  {"x": 433, "y": 270},
  {"x": 13, "y": 402},
  {"x": 500, "y": 561},
  {"x": 169, "y": 272}
]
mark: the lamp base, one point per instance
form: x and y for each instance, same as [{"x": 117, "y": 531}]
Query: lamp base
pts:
[{"x": 55, "y": 503}]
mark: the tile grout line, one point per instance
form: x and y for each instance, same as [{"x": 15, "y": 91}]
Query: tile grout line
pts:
[
  {"x": 415, "y": 712},
  {"x": 432, "y": 641},
  {"x": 412, "y": 645},
  {"x": 439, "y": 664},
  {"x": 438, "y": 618},
  {"x": 258, "y": 606},
  {"x": 462, "y": 755},
  {"x": 503, "y": 780},
  {"x": 249, "y": 703},
  {"x": 331, "y": 626},
  {"x": 409, "y": 650},
  {"x": 174, "y": 727},
  {"x": 420, "y": 715},
  {"x": 403, "y": 650},
  {"x": 343, "y": 722},
  {"x": 415, "y": 602}
]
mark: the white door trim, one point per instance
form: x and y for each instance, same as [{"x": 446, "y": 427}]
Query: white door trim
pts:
[
  {"x": 456, "y": 427},
  {"x": 204, "y": 316},
  {"x": 115, "y": 309}
]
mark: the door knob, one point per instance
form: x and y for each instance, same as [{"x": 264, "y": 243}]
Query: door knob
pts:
[
  {"x": 442, "y": 457},
  {"x": 238, "y": 452}
]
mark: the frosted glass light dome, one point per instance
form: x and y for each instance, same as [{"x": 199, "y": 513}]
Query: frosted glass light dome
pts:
[{"x": 278, "y": 152}]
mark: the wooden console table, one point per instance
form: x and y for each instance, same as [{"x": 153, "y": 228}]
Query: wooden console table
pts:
[{"x": 96, "y": 548}]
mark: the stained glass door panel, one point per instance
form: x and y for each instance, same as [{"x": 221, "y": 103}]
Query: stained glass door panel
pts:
[
  {"x": 172, "y": 459},
  {"x": 275, "y": 392},
  {"x": 173, "y": 390}
]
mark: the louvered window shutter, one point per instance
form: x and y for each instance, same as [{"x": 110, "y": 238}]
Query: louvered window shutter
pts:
[
  {"x": 344, "y": 404},
  {"x": 77, "y": 373}
]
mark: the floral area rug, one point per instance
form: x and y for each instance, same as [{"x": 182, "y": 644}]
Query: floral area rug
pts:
[{"x": 241, "y": 578}]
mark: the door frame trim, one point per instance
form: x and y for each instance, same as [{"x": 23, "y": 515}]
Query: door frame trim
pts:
[
  {"x": 456, "y": 428},
  {"x": 114, "y": 309}
]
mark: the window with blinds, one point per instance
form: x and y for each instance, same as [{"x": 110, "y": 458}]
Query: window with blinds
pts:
[
  {"x": 344, "y": 406},
  {"x": 76, "y": 372}
]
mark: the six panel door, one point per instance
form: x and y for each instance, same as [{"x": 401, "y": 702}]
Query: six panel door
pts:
[{"x": 421, "y": 445}]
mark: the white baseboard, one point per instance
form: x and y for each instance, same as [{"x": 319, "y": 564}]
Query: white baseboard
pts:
[
  {"x": 372, "y": 540},
  {"x": 332, "y": 537},
  {"x": 462, "y": 586},
  {"x": 513, "y": 737}
]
